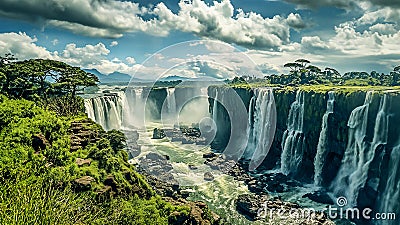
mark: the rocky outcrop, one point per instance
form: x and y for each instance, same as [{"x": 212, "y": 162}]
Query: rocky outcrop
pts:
[
  {"x": 158, "y": 133},
  {"x": 208, "y": 176},
  {"x": 132, "y": 147},
  {"x": 40, "y": 142},
  {"x": 82, "y": 134},
  {"x": 274, "y": 211},
  {"x": 157, "y": 170},
  {"x": 199, "y": 213},
  {"x": 249, "y": 205},
  {"x": 83, "y": 162},
  {"x": 185, "y": 135},
  {"x": 83, "y": 183}
]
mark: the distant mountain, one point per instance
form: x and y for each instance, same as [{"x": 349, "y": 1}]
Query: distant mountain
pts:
[
  {"x": 115, "y": 77},
  {"x": 174, "y": 78},
  {"x": 200, "y": 78}
]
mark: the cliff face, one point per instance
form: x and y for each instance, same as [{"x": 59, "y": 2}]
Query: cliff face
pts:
[
  {"x": 345, "y": 140},
  {"x": 368, "y": 139}
]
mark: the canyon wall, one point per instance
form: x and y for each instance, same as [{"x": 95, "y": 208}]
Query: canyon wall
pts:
[{"x": 346, "y": 142}]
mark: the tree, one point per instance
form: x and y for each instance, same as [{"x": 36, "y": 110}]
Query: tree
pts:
[
  {"x": 73, "y": 79},
  {"x": 294, "y": 67},
  {"x": 395, "y": 76},
  {"x": 313, "y": 69},
  {"x": 41, "y": 77},
  {"x": 303, "y": 62},
  {"x": 5, "y": 72},
  {"x": 331, "y": 73}
]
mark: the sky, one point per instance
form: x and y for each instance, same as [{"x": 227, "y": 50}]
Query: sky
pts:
[{"x": 194, "y": 38}]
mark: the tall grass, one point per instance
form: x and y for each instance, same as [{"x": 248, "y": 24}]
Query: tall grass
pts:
[{"x": 38, "y": 203}]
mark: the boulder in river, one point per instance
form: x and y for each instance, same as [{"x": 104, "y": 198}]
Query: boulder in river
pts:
[
  {"x": 158, "y": 133},
  {"x": 208, "y": 176}
]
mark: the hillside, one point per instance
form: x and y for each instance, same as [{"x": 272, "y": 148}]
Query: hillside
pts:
[{"x": 68, "y": 170}]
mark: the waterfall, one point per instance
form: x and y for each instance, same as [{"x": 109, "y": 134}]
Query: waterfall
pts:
[
  {"x": 250, "y": 129},
  {"x": 133, "y": 108},
  {"x": 171, "y": 102},
  {"x": 293, "y": 138},
  {"x": 359, "y": 153},
  {"x": 264, "y": 126},
  {"x": 120, "y": 110},
  {"x": 105, "y": 110},
  {"x": 389, "y": 198},
  {"x": 203, "y": 91},
  {"x": 323, "y": 142},
  {"x": 215, "y": 107},
  {"x": 89, "y": 108}
]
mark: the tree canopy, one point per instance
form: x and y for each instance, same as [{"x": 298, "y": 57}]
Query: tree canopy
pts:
[
  {"x": 41, "y": 77},
  {"x": 302, "y": 72}
]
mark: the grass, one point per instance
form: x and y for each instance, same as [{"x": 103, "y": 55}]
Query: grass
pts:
[
  {"x": 38, "y": 202},
  {"x": 319, "y": 88}
]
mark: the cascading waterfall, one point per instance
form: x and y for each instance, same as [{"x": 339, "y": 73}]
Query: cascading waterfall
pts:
[
  {"x": 357, "y": 124},
  {"x": 250, "y": 146},
  {"x": 323, "y": 143},
  {"x": 215, "y": 107},
  {"x": 389, "y": 198},
  {"x": 359, "y": 153},
  {"x": 171, "y": 102},
  {"x": 133, "y": 108},
  {"x": 121, "y": 110},
  {"x": 293, "y": 138},
  {"x": 89, "y": 108},
  {"x": 264, "y": 126},
  {"x": 105, "y": 110}
]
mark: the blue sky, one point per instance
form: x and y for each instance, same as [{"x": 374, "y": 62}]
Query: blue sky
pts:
[{"x": 111, "y": 35}]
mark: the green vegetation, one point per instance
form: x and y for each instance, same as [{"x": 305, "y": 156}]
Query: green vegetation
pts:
[
  {"x": 35, "y": 78},
  {"x": 302, "y": 73},
  {"x": 39, "y": 173}
]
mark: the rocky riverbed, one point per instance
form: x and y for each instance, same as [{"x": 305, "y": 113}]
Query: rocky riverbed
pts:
[
  {"x": 259, "y": 205},
  {"x": 160, "y": 170}
]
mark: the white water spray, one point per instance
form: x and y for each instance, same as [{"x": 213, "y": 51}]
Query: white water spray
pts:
[
  {"x": 323, "y": 143},
  {"x": 105, "y": 110},
  {"x": 264, "y": 126},
  {"x": 359, "y": 153},
  {"x": 389, "y": 198},
  {"x": 293, "y": 138}
]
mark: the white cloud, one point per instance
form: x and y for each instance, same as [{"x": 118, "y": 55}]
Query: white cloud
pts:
[
  {"x": 384, "y": 29},
  {"x": 112, "y": 19},
  {"x": 22, "y": 46},
  {"x": 114, "y": 43},
  {"x": 83, "y": 56},
  {"x": 313, "y": 43},
  {"x": 218, "y": 21},
  {"x": 372, "y": 15},
  {"x": 94, "y": 18},
  {"x": 88, "y": 56},
  {"x": 295, "y": 21},
  {"x": 130, "y": 60}
]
